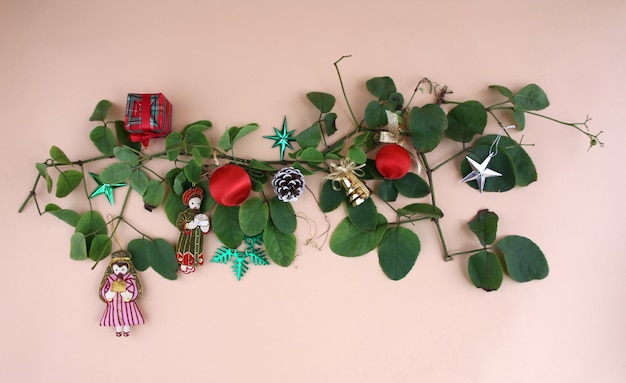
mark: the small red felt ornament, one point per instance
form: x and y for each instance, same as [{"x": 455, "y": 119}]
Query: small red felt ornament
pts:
[
  {"x": 230, "y": 185},
  {"x": 393, "y": 161}
]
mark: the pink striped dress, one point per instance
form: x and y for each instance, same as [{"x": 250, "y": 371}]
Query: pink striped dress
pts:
[{"x": 118, "y": 311}]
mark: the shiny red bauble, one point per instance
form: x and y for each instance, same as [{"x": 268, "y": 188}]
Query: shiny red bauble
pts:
[
  {"x": 230, "y": 185},
  {"x": 393, "y": 161}
]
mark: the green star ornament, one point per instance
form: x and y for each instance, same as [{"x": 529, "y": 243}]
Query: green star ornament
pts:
[
  {"x": 104, "y": 188},
  {"x": 282, "y": 138}
]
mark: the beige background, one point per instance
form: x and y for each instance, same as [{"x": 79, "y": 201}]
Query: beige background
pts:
[{"x": 325, "y": 318}]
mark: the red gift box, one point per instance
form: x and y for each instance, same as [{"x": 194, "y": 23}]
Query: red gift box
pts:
[{"x": 148, "y": 116}]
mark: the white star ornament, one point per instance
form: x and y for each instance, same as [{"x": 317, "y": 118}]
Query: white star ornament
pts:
[{"x": 480, "y": 172}]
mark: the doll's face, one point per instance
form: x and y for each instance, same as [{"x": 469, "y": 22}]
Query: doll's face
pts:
[
  {"x": 120, "y": 270},
  {"x": 195, "y": 202}
]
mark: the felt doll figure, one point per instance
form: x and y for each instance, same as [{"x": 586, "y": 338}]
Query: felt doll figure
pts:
[
  {"x": 193, "y": 225},
  {"x": 119, "y": 289}
]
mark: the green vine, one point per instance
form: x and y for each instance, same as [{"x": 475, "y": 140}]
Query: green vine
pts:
[{"x": 422, "y": 128}]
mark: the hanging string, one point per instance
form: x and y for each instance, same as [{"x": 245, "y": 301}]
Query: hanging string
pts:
[
  {"x": 313, "y": 236},
  {"x": 113, "y": 231},
  {"x": 493, "y": 152}
]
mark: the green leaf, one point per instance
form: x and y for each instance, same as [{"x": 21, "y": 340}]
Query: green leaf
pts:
[
  {"x": 330, "y": 199},
  {"x": 139, "y": 181},
  {"x": 506, "y": 92},
  {"x": 173, "y": 206},
  {"x": 100, "y": 247},
  {"x": 123, "y": 137},
  {"x": 195, "y": 139},
  {"x": 364, "y": 216},
  {"x": 116, "y": 173},
  {"x": 103, "y": 139},
  {"x": 101, "y": 111},
  {"x": 140, "y": 248},
  {"x": 196, "y": 156},
  {"x": 502, "y": 163},
  {"x": 233, "y": 134},
  {"x": 350, "y": 241},
  {"x": 523, "y": 166},
  {"x": 67, "y": 182},
  {"x": 283, "y": 215},
  {"x": 466, "y": 120},
  {"x": 301, "y": 167},
  {"x": 198, "y": 126},
  {"x": 162, "y": 258},
  {"x": 324, "y": 102},
  {"x": 398, "y": 251},
  {"x": 125, "y": 154},
  {"x": 226, "y": 225},
  {"x": 59, "y": 156},
  {"x": 180, "y": 183},
  {"x": 370, "y": 170},
  {"x": 520, "y": 119},
  {"x": 485, "y": 270},
  {"x": 381, "y": 87},
  {"x": 78, "y": 247},
  {"x": 330, "y": 123},
  {"x": 424, "y": 209},
  {"x": 523, "y": 258},
  {"x": 310, "y": 137},
  {"x": 173, "y": 145},
  {"x": 375, "y": 115},
  {"x": 311, "y": 155},
  {"x": 261, "y": 165},
  {"x": 396, "y": 100},
  {"x": 412, "y": 186},
  {"x": 193, "y": 172},
  {"x": 530, "y": 97},
  {"x": 43, "y": 171},
  {"x": 485, "y": 226},
  {"x": 69, "y": 216},
  {"x": 427, "y": 125},
  {"x": 155, "y": 192},
  {"x": 357, "y": 155},
  {"x": 253, "y": 215},
  {"x": 280, "y": 246},
  {"x": 387, "y": 191},
  {"x": 90, "y": 224}
]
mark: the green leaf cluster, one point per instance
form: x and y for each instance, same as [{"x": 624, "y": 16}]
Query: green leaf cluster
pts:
[{"x": 520, "y": 256}]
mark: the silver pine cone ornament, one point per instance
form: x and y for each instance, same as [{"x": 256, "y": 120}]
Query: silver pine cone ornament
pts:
[{"x": 288, "y": 184}]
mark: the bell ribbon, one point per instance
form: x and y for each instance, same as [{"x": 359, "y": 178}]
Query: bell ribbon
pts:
[{"x": 339, "y": 171}]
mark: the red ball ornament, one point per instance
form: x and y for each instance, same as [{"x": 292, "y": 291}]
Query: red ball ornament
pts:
[
  {"x": 230, "y": 185},
  {"x": 393, "y": 161}
]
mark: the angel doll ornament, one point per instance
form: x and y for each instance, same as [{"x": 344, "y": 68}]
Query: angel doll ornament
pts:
[
  {"x": 193, "y": 225},
  {"x": 120, "y": 289}
]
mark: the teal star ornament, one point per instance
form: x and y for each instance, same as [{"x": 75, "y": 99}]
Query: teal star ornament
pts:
[
  {"x": 282, "y": 138},
  {"x": 104, "y": 188},
  {"x": 480, "y": 172}
]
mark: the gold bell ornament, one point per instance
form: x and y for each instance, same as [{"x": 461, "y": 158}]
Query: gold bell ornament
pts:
[{"x": 347, "y": 175}]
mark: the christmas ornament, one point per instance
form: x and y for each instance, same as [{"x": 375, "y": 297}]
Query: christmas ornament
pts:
[
  {"x": 288, "y": 184},
  {"x": 120, "y": 289},
  {"x": 393, "y": 161},
  {"x": 480, "y": 171},
  {"x": 346, "y": 174},
  {"x": 104, "y": 188},
  {"x": 282, "y": 138},
  {"x": 193, "y": 225},
  {"x": 241, "y": 259},
  {"x": 230, "y": 185},
  {"x": 147, "y": 116}
]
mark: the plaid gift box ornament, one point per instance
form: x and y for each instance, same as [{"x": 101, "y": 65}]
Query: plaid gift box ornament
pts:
[{"x": 148, "y": 116}]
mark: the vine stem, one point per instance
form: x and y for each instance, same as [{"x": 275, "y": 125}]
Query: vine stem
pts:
[
  {"x": 343, "y": 89},
  {"x": 442, "y": 240}
]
